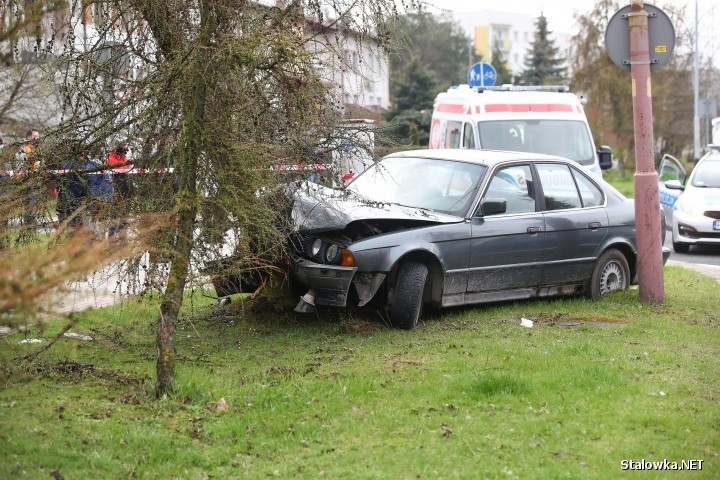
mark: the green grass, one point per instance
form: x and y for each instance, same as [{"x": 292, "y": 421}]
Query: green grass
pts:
[
  {"x": 624, "y": 185},
  {"x": 469, "y": 394}
]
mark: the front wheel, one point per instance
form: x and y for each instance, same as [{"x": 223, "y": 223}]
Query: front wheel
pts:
[
  {"x": 611, "y": 273},
  {"x": 408, "y": 296}
]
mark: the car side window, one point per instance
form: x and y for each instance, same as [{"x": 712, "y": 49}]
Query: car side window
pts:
[
  {"x": 669, "y": 170},
  {"x": 515, "y": 185},
  {"x": 558, "y": 187},
  {"x": 591, "y": 195},
  {"x": 452, "y": 137},
  {"x": 468, "y": 137}
]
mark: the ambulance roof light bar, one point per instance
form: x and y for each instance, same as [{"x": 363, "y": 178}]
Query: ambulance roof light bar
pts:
[{"x": 526, "y": 88}]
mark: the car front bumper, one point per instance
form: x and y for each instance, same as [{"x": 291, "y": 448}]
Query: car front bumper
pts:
[
  {"x": 695, "y": 229},
  {"x": 330, "y": 283}
]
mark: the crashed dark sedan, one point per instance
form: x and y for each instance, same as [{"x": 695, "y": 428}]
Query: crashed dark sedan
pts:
[{"x": 459, "y": 227}]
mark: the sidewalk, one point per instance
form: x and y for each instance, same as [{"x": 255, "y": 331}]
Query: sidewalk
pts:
[
  {"x": 90, "y": 294},
  {"x": 107, "y": 286}
]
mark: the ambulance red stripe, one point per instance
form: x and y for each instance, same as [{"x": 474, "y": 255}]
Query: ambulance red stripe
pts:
[
  {"x": 528, "y": 107},
  {"x": 457, "y": 108}
]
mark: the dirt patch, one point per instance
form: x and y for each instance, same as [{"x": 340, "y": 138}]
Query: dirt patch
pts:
[{"x": 573, "y": 321}]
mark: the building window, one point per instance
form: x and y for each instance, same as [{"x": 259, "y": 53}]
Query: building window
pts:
[{"x": 353, "y": 58}]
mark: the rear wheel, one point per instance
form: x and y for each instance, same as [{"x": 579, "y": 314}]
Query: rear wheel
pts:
[
  {"x": 680, "y": 247},
  {"x": 408, "y": 297},
  {"x": 611, "y": 273}
]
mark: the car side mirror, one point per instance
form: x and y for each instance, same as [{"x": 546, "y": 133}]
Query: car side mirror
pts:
[
  {"x": 674, "y": 185},
  {"x": 493, "y": 206},
  {"x": 605, "y": 157}
]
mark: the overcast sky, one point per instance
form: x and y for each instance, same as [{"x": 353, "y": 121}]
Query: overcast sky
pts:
[{"x": 560, "y": 13}]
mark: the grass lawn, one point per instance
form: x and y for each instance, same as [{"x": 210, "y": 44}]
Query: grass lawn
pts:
[
  {"x": 625, "y": 185},
  {"x": 469, "y": 394}
]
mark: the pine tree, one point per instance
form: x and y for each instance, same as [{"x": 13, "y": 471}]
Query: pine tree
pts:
[
  {"x": 414, "y": 93},
  {"x": 542, "y": 64},
  {"x": 415, "y": 89},
  {"x": 504, "y": 75},
  {"x": 436, "y": 41}
]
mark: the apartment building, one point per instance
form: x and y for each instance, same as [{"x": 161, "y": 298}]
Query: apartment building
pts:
[
  {"x": 513, "y": 33},
  {"x": 356, "y": 71}
]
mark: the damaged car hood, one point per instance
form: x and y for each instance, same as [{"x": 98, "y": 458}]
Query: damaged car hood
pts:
[{"x": 319, "y": 209}]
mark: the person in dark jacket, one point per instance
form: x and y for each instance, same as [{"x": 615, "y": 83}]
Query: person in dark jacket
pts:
[{"x": 72, "y": 191}]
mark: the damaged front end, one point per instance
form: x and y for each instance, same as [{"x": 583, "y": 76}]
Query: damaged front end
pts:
[
  {"x": 333, "y": 227},
  {"x": 325, "y": 264}
]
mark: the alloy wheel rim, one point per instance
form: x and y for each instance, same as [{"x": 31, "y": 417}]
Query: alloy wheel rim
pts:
[{"x": 611, "y": 278}]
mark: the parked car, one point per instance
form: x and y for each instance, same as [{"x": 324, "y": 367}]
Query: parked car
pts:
[
  {"x": 692, "y": 203},
  {"x": 457, "y": 227}
]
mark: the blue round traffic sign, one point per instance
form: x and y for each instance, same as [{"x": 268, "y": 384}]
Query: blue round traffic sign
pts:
[{"x": 481, "y": 74}]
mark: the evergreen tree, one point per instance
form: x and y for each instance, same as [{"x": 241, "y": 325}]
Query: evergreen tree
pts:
[
  {"x": 504, "y": 75},
  {"x": 414, "y": 93},
  {"x": 438, "y": 42},
  {"x": 542, "y": 64},
  {"x": 415, "y": 88},
  {"x": 433, "y": 53}
]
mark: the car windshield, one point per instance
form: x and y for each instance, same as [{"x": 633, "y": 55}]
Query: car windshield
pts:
[
  {"x": 564, "y": 138},
  {"x": 707, "y": 174},
  {"x": 440, "y": 185}
]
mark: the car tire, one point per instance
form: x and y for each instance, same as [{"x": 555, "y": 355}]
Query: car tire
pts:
[
  {"x": 408, "y": 297},
  {"x": 680, "y": 247},
  {"x": 611, "y": 273}
]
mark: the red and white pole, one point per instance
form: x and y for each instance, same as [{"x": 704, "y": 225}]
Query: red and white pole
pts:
[{"x": 647, "y": 197}]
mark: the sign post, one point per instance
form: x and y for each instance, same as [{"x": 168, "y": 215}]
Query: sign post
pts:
[
  {"x": 650, "y": 46},
  {"x": 481, "y": 74}
]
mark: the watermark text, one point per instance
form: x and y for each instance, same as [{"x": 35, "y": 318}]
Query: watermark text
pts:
[{"x": 661, "y": 464}]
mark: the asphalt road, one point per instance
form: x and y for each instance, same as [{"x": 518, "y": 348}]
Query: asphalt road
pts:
[{"x": 700, "y": 254}]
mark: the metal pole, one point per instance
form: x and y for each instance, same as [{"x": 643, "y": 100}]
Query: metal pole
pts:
[
  {"x": 696, "y": 89},
  {"x": 647, "y": 197}
]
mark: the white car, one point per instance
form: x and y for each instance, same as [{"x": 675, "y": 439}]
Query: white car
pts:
[{"x": 692, "y": 203}]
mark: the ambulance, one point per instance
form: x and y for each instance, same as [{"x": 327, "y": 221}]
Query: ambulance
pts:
[{"x": 538, "y": 119}]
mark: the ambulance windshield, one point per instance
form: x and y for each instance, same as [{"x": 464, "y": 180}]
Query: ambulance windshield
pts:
[{"x": 564, "y": 138}]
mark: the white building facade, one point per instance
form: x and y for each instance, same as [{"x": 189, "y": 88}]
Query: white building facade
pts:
[{"x": 356, "y": 71}]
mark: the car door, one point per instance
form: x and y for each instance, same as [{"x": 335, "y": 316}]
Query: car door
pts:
[
  {"x": 576, "y": 223},
  {"x": 506, "y": 248},
  {"x": 670, "y": 169}
]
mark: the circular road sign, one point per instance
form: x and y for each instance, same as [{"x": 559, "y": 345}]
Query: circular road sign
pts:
[
  {"x": 481, "y": 74},
  {"x": 661, "y": 34}
]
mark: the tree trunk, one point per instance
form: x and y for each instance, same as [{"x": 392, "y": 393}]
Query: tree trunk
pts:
[
  {"x": 173, "y": 296},
  {"x": 191, "y": 147}
]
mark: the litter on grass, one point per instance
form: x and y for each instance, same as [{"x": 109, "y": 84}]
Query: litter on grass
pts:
[{"x": 78, "y": 336}]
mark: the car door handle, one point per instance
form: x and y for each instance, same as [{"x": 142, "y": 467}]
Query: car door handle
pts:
[
  {"x": 533, "y": 230},
  {"x": 594, "y": 225}
]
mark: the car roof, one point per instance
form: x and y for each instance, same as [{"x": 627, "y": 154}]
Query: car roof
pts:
[
  {"x": 713, "y": 154},
  {"x": 482, "y": 157}
]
